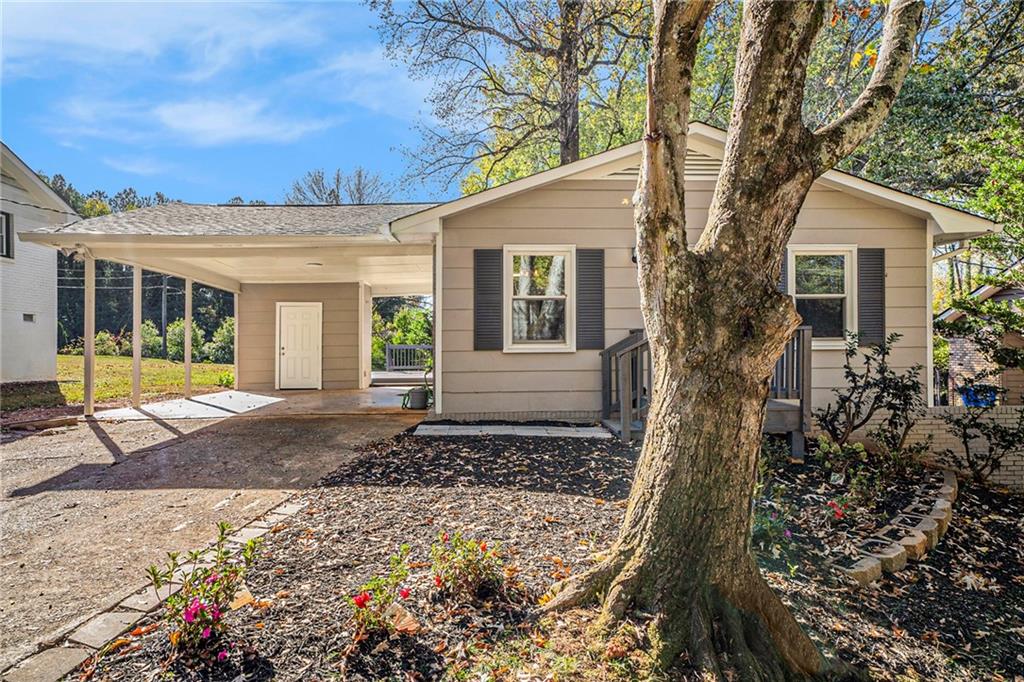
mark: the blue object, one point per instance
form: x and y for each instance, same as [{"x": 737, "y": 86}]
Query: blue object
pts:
[{"x": 978, "y": 396}]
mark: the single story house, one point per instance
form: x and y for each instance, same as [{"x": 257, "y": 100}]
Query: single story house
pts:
[
  {"x": 28, "y": 273},
  {"x": 532, "y": 281},
  {"x": 965, "y": 360}
]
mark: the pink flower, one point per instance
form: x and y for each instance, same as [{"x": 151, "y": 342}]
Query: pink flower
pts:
[
  {"x": 445, "y": 537},
  {"x": 215, "y": 612},
  {"x": 404, "y": 593},
  {"x": 788, "y": 534},
  {"x": 206, "y": 632},
  {"x": 222, "y": 655},
  {"x": 189, "y": 615},
  {"x": 212, "y": 578}
]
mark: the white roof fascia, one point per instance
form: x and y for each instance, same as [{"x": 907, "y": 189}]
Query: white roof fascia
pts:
[
  {"x": 37, "y": 187},
  {"x": 710, "y": 141},
  {"x": 59, "y": 239}
]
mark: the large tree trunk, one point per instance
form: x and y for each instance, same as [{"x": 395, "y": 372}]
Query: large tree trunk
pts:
[
  {"x": 568, "y": 122},
  {"x": 716, "y": 323}
]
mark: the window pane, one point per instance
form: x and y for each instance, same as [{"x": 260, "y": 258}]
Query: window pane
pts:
[
  {"x": 538, "y": 275},
  {"x": 820, "y": 274},
  {"x": 827, "y": 316},
  {"x": 538, "y": 320}
]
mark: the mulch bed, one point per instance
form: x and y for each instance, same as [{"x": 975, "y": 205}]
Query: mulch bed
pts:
[{"x": 551, "y": 503}]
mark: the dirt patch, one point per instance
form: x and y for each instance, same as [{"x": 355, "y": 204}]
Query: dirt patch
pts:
[{"x": 86, "y": 508}]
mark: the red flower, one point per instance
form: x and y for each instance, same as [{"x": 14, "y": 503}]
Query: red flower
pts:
[
  {"x": 404, "y": 593},
  {"x": 837, "y": 510},
  {"x": 437, "y": 580},
  {"x": 362, "y": 599},
  {"x": 445, "y": 537},
  {"x": 483, "y": 546}
]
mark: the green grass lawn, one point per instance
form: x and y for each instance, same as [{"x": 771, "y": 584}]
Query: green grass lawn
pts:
[{"x": 113, "y": 382}]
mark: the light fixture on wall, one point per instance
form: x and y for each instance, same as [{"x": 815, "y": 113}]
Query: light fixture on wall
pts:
[
  {"x": 633, "y": 255},
  {"x": 314, "y": 264}
]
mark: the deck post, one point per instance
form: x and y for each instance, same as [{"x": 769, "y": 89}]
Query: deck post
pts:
[
  {"x": 136, "y": 336},
  {"x": 89, "y": 353},
  {"x": 235, "y": 342},
  {"x": 188, "y": 338}
]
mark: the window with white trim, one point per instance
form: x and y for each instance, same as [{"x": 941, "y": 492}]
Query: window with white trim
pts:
[
  {"x": 539, "y": 305},
  {"x": 822, "y": 281},
  {"x": 6, "y": 236}
]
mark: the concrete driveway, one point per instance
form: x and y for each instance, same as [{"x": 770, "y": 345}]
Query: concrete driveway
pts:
[{"x": 85, "y": 509}]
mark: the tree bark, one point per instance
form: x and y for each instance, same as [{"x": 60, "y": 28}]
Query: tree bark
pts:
[
  {"x": 716, "y": 323},
  {"x": 569, "y": 81}
]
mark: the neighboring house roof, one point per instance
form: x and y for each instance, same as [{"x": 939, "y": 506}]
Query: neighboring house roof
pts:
[
  {"x": 230, "y": 220},
  {"x": 708, "y": 141},
  {"x": 17, "y": 170},
  {"x": 1010, "y": 292}
]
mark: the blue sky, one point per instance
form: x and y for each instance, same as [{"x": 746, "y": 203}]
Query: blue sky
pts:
[{"x": 203, "y": 101}]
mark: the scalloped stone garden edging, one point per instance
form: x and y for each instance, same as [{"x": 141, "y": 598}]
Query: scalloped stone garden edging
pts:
[
  {"x": 90, "y": 635},
  {"x": 910, "y": 534}
]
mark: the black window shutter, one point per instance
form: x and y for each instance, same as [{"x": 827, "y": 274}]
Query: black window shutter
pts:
[
  {"x": 784, "y": 278},
  {"x": 487, "y": 306},
  {"x": 589, "y": 299},
  {"x": 871, "y": 295}
]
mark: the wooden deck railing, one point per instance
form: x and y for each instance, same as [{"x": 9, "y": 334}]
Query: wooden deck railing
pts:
[
  {"x": 626, "y": 381},
  {"x": 399, "y": 356}
]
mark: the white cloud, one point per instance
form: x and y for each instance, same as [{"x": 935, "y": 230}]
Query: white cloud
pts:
[
  {"x": 137, "y": 165},
  {"x": 197, "y": 121},
  {"x": 207, "y": 122},
  {"x": 366, "y": 78},
  {"x": 209, "y": 37}
]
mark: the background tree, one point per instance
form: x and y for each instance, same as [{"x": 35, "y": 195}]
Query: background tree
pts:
[
  {"x": 716, "y": 323},
  {"x": 510, "y": 75},
  {"x": 358, "y": 187},
  {"x": 114, "y": 280}
]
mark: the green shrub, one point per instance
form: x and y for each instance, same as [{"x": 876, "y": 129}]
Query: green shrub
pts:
[
  {"x": 176, "y": 341},
  {"x": 226, "y": 379},
  {"x": 464, "y": 568},
  {"x": 152, "y": 342},
  {"x": 73, "y": 347},
  {"x": 106, "y": 343},
  {"x": 221, "y": 348}
]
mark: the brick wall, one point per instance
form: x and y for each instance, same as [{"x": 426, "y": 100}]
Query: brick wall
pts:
[
  {"x": 965, "y": 360},
  {"x": 1010, "y": 474}
]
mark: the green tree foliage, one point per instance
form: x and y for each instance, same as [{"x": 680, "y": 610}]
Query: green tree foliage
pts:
[
  {"x": 398, "y": 320},
  {"x": 176, "y": 341},
  {"x": 221, "y": 348}
]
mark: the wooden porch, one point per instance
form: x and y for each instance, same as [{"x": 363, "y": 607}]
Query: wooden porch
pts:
[{"x": 626, "y": 380}]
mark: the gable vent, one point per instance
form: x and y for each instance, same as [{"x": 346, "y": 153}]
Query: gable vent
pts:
[{"x": 698, "y": 167}]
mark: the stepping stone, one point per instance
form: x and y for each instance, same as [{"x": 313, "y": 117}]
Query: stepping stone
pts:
[
  {"x": 49, "y": 664},
  {"x": 891, "y": 555},
  {"x": 250, "y": 532},
  {"x": 104, "y": 628},
  {"x": 146, "y": 600},
  {"x": 865, "y": 570},
  {"x": 288, "y": 509}
]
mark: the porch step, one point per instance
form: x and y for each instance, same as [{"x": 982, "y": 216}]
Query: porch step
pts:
[{"x": 615, "y": 426}]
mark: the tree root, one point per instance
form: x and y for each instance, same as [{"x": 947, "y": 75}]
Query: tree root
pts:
[{"x": 586, "y": 587}]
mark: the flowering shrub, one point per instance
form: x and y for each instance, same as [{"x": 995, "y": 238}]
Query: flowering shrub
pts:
[
  {"x": 373, "y": 600},
  {"x": 210, "y": 579},
  {"x": 838, "y": 508},
  {"x": 466, "y": 568}
]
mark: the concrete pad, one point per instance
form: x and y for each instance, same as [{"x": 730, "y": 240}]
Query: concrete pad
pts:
[
  {"x": 104, "y": 628},
  {"x": 531, "y": 431},
  {"x": 47, "y": 665},
  {"x": 432, "y": 430},
  {"x": 288, "y": 509},
  {"x": 211, "y": 406}
]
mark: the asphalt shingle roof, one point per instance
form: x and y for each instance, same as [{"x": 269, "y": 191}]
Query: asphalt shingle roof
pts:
[{"x": 179, "y": 219}]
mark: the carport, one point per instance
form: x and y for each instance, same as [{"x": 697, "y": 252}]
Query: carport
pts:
[{"x": 303, "y": 278}]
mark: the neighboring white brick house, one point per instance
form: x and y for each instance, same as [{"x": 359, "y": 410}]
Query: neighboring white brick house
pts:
[{"x": 28, "y": 274}]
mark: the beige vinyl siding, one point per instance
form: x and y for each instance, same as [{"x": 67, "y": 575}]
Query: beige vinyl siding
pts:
[
  {"x": 598, "y": 214},
  {"x": 345, "y": 359}
]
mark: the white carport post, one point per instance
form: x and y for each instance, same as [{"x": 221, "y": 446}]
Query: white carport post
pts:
[
  {"x": 89, "y": 354},
  {"x": 136, "y": 336},
  {"x": 234, "y": 343},
  {"x": 188, "y": 338}
]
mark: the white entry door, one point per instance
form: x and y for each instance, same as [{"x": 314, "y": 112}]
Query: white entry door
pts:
[{"x": 299, "y": 341}]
